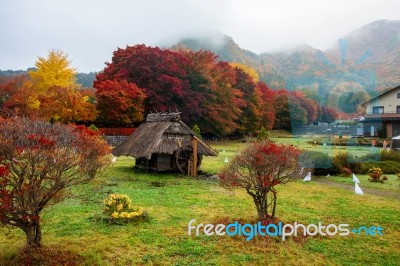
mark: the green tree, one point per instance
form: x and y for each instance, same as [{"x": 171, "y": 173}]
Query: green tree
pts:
[
  {"x": 197, "y": 130},
  {"x": 262, "y": 134},
  {"x": 349, "y": 102}
]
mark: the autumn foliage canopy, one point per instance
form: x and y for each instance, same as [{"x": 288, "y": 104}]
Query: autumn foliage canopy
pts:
[{"x": 221, "y": 98}]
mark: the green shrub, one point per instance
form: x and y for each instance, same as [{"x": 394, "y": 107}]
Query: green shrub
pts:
[
  {"x": 390, "y": 156},
  {"x": 345, "y": 160},
  {"x": 388, "y": 167},
  {"x": 93, "y": 127},
  {"x": 382, "y": 156},
  {"x": 262, "y": 134},
  {"x": 371, "y": 157},
  {"x": 321, "y": 163}
]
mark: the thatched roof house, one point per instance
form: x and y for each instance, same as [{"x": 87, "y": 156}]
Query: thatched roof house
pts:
[{"x": 163, "y": 143}]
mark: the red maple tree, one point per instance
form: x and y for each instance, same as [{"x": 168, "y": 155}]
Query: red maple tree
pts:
[
  {"x": 38, "y": 162},
  {"x": 258, "y": 169},
  {"x": 119, "y": 102}
]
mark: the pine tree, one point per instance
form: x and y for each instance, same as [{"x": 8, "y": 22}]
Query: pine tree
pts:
[
  {"x": 262, "y": 134},
  {"x": 197, "y": 130}
]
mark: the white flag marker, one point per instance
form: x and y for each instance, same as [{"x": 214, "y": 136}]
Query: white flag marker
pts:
[
  {"x": 308, "y": 177},
  {"x": 357, "y": 189},
  {"x": 114, "y": 159},
  {"x": 355, "y": 179},
  {"x": 226, "y": 160}
]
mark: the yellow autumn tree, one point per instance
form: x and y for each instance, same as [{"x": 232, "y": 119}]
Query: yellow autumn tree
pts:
[
  {"x": 248, "y": 70},
  {"x": 52, "y": 71}
]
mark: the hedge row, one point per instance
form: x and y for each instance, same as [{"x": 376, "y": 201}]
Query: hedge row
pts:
[
  {"x": 346, "y": 142},
  {"x": 324, "y": 164}
]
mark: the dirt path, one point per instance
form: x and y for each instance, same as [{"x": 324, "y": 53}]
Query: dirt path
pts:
[{"x": 368, "y": 191}]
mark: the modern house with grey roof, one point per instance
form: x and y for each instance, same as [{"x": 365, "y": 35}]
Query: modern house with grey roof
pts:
[{"x": 382, "y": 118}]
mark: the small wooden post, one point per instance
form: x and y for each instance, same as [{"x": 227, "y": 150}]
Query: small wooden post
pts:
[
  {"x": 194, "y": 147},
  {"x": 189, "y": 167}
]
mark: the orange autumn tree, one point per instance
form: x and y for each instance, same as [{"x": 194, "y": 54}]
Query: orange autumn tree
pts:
[
  {"x": 258, "y": 169},
  {"x": 67, "y": 104},
  {"x": 19, "y": 98},
  {"x": 38, "y": 162}
]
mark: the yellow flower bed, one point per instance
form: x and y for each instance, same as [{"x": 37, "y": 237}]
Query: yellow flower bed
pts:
[{"x": 119, "y": 207}]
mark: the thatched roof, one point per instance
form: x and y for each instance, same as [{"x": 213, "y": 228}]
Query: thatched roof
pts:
[{"x": 162, "y": 133}]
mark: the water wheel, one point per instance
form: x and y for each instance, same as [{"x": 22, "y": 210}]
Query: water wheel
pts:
[{"x": 182, "y": 157}]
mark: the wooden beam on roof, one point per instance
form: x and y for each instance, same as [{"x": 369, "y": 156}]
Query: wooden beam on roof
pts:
[{"x": 194, "y": 147}]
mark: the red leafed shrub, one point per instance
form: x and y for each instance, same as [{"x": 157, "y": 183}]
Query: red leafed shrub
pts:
[
  {"x": 346, "y": 171},
  {"x": 258, "y": 169},
  {"x": 38, "y": 162},
  {"x": 117, "y": 131}
]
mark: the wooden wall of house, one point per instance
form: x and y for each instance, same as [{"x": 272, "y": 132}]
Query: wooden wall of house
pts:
[
  {"x": 165, "y": 162},
  {"x": 157, "y": 162}
]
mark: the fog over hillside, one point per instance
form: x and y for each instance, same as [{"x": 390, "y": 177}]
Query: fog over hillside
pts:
[{"x": 367, "y": 57}]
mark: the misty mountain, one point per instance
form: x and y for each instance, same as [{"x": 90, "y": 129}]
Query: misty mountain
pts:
[
  {"x": 367, "y": 59},
  {"x": 220, "y": 44}
]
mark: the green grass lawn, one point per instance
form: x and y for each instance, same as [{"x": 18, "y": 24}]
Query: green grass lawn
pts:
[
  {"x": 163, "y": 240},
  {"x": 303, "y": 143},
  {"x": 392, "y": 184}
]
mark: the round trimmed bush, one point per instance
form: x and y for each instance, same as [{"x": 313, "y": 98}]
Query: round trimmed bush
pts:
[
  {"x": 345, "y": 160},
  {"x": 321, "y": 163}
]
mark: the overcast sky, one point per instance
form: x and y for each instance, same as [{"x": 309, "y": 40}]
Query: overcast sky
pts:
[{"x": 90, "y": 30}]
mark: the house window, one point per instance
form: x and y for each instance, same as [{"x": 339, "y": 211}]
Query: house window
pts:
[
  {"x": 398, "y": 95},
  {"x": 372, "y": 131},
  {"x": 398, "y": 109},
  {"x": 378, "y": 110}
]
